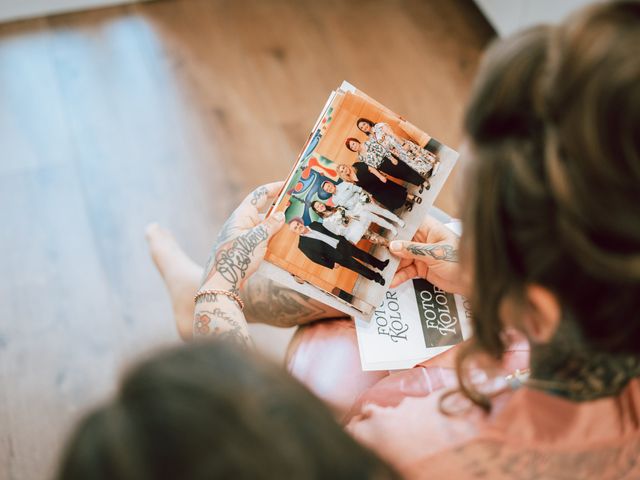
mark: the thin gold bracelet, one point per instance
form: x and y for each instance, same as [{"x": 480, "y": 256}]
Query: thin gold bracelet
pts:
[{"x": 227, "y": 293}]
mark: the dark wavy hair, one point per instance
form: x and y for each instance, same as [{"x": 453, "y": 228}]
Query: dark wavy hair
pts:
[
  {"x": 212, "y": 411},
  {"x": 328, "y": 209},
  {"x": 365, "y": 120},
  {"x": 554, "y": 180}
]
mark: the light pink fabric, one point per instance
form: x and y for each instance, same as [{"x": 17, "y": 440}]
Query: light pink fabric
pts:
[
  {"x": 325, "y": 357},
  {"x": 528, "y": 434}
]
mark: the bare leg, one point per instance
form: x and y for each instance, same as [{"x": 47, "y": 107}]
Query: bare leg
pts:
[
  {"x": 265, "y": 301},
  {"x": 181, "y": 275}
]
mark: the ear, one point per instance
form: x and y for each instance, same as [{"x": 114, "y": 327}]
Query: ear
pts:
[{"x": 541, "y": 315}]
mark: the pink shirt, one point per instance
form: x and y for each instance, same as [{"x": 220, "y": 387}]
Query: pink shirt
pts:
[{"x": 529, "y": 434}]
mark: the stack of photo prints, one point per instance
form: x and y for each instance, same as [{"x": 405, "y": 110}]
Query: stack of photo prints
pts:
[{"x": 365, "y": 177}]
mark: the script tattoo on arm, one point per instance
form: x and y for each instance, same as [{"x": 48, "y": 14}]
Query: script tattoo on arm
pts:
[
  {"x": 439, "y": 252},
  {"x": 232, "y": 260},
  {"x": 219, "y": 315},
  {"x": 268, "y": 302},
  {"x": 220, "y": 323}
]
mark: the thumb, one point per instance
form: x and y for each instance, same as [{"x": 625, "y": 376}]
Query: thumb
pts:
[
  {"x": 413, "y": 250},
  {"x": 273, "y": 224}
]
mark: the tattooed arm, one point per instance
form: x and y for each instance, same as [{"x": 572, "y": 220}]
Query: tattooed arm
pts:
[
  {"x": 239, "y": 249},
  {"x": 433, "y": 255},
  {"x": 446, "y": 252},
  {"x": 219, "y": 315},
  {"x": 268, "y": 302}
]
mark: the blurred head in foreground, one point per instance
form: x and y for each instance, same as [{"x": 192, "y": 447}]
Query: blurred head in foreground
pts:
[
  {"x": 210, "y": 411},
  {"x": 552, "y": 217}
]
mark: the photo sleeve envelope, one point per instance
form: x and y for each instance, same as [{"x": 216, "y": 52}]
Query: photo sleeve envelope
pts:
[
  {"x": 365, "y": 177},
  {"x": 414, "y": 322}
]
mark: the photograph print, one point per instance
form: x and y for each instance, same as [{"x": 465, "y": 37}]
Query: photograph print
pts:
[{"x": 362, "y": 181}]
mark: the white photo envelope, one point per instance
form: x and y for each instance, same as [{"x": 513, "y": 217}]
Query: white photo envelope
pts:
[{"x": 415, "y": 322}]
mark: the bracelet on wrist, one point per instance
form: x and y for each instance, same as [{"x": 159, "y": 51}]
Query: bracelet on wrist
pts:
[{"x": 233, "y": 296}]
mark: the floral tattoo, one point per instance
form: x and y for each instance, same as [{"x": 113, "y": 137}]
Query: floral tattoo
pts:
[
  {"x": 439, "y": 252},
  {"x": 221, "y": 324}
]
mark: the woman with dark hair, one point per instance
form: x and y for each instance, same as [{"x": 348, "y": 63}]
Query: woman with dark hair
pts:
[
  {"x": 213, "y": 411},
  {"x": 384, "y": 191},
  {"x": 376, "y": 156},
  {"x": 354, "y": 228},
  {"x": 365, "y": 125},
  {"x": 550, "y": 252}
]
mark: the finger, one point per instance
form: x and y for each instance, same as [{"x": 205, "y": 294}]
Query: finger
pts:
[
  {"x": 403, "y": 275},
  {"x": 273, "y": 224},
  {"x": 263, "y": 195},
  {"x": 413, "y": 250},
  {"x": 257, "y": 240}
]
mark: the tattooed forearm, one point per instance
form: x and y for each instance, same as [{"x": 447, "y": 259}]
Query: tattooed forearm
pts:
[
  {"x": 238, "y": 250},
  {"x": 268, "y": 302},
  {"x": 206, "y": 298},
  {"x": 439, "y": 252},
  {"x": 220, "y": 323}
]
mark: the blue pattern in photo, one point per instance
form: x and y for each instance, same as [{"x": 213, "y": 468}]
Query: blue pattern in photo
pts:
[{"x": 306, "y": 187}]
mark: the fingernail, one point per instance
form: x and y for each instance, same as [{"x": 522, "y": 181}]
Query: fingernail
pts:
[
  {"x": 279, "y": 216},
  {"x": 395, "y": 246}
]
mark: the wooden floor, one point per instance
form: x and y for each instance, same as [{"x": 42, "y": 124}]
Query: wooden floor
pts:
[{"x": 169, "y": 111}]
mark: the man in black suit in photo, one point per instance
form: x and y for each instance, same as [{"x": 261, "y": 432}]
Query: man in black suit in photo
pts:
[{"x": 328, "y": 249}]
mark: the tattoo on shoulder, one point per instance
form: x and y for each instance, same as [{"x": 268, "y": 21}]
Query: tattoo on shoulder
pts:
[
  {"x": 440, "y": 252},
  {"x": 219, "y": 323},
  {"x": 493, "y": 459}
]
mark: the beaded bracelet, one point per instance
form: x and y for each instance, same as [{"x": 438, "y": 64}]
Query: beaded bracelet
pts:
[{"x": 227, "y": 293}]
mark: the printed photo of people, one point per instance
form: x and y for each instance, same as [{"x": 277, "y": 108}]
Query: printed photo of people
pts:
[{"x": 365, "y": 178}]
